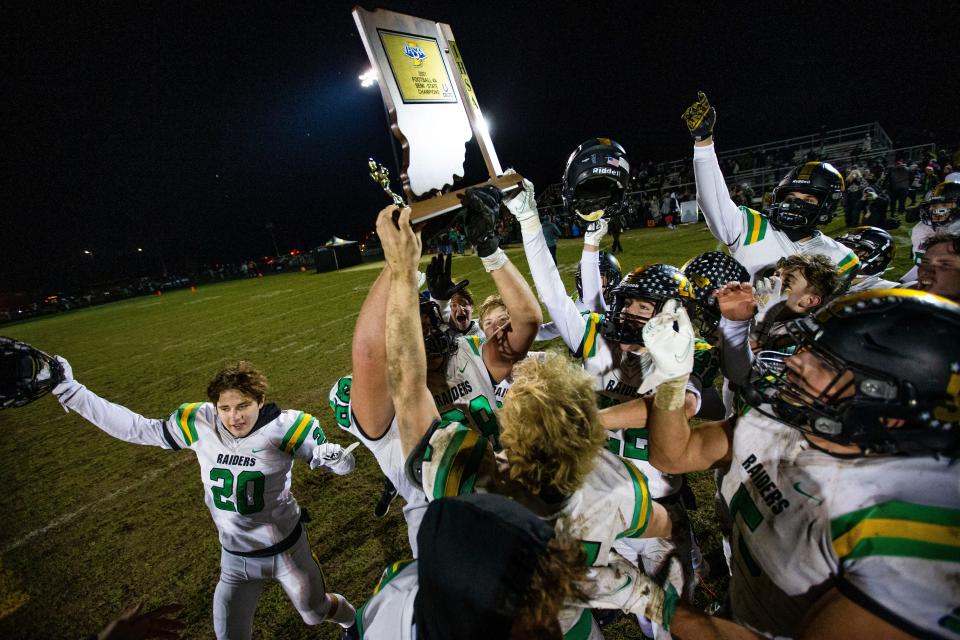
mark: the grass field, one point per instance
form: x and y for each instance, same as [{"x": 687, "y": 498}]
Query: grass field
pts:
[{"x": 93, "y": 524}]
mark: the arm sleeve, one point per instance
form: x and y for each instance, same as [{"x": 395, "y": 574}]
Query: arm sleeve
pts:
[
  {"x": 548, "y": 331},
  {"x": 591, "y": 281},
  {"x": 736, "y": 358},
  {"x": 563, "y": 311},
  {"x": 722, "y": 214},
  {"x": 315, "y": 437},
  {"x": 444, "y": 309},
  {"x": 123, "y": 424}
]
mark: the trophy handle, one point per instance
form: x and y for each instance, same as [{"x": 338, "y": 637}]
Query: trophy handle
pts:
[{"x": 434, "y": 207}]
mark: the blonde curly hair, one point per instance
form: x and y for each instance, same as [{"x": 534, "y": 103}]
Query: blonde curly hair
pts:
[{"x": 549, "y": 427}]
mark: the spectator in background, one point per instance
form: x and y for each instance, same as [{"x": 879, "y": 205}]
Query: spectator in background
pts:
[
  {"x": 615, "y": 230},
  {"x": 670, "y": 209},
  {"x": 916, "y": 177},
  {"x": 929, "y": 180},
  {"x": 898, "y": 186},
  {"x": 852, "y": 197},
  {"x": 552, "y": 233}
]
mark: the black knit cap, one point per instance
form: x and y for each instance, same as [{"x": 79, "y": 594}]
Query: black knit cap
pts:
[{"x": 477, "y": 555}]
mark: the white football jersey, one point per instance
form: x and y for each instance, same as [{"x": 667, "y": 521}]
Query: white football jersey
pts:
[
  {"x": 922, "y": 232},
  {"x": 865, "y": 283},
  {"x": 388, "y": 614},
  {"x": 246, "y": 481},
  {"x": 388, "y": 453},
  {"x": 470, "y": 394},
  {"x": 750, "y": 236},
  {"x": 884, "y": 530}
]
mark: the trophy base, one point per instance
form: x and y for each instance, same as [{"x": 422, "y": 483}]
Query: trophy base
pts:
[{"x": 433, "y": 208}]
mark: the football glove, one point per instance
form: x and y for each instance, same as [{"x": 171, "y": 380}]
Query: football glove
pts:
[
  {"x": 768, "y": 292},
  {"x": 26, "y": 373},
  {"x": 482, "y": 206},
  {"x": 620, "y": 585},
  {"x": 335, "y": 458},
  {"x": 670, "y": 347},
  {"x": 523, "y": 206},
  {"x": 595, "y": 232},
  {"x": 439, "y": 281},
  {"x": 700, "y": 118}
]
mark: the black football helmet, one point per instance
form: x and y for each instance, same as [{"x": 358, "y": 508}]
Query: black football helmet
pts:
[
  {"x": 655, "y": 283},
  {"x": 596, "y": 179},
  {"x": 819, "y": 179},
  {"x": 936, "y": 209},
  {"x": 437, "y": 341},
  {"x": 902, "y": 348},
  {"x": 25, "y": 373},
  {"x": 708, "y": 272},
  {"x": 609, "y": 267},
  {"x": 874, "y": 247}
]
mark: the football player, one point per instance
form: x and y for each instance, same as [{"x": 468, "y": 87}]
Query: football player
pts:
[
  {"x": 246, "y": 449},
  {"x": 842, "y": 482},
  {"x": 939, "y": 270},
  {"x": 807, "y": 196},
  {"x": 708, "y": 272},
  {"x": 876, "y": 249},
  {"x": 612, "y": 352},
  {"x": 553, "y": 460},
  {"x": 939, "y": 211},
  {"x": 454, "y": 299},
  {"x": 463, "y": 373}
]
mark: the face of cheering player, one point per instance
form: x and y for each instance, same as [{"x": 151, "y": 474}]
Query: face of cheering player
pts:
[
  {"x": 641, "y": 310},
  {"x": 461, "y": 313},
  {"x": 495, "y": 324},
  {"x": 805, "y": 197},
  {"x": 238, "y": 412},
  {"x": 939, "y": 271},
  {"x": 800, "y": 296}
]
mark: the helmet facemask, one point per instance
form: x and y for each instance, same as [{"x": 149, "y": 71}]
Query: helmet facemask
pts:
[
  {"x": 938, "y": 211},
  {"x": 790, "y": 212},
  {"x": 625, "y": 327}
]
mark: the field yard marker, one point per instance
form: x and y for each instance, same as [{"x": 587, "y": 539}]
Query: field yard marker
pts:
[{"x": 64, "y": 519}]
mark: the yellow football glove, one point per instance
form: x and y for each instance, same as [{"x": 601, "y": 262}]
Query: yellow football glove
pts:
[{"x": 700, "y": 118}]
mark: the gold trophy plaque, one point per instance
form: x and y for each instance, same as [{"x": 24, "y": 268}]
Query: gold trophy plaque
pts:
[{"x": 432, "y": 108}]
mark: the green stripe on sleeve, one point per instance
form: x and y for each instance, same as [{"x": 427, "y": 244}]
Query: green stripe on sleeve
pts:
[
  {"x": 304, "y": 433},
  {"x": 751, "y": 220},
  {"x": 581, "y": 630},
  {"x": 896, "y": 510},
  {"x": 446, "y": 463},
  {"x": 290, "y": 432},
  {"x": 763, "y": 227},
  {"x": 903, "y": 547}
]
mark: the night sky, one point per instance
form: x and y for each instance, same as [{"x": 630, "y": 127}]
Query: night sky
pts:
[{"x": 186, "y": 128}]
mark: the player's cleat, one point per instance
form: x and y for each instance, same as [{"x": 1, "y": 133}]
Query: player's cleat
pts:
[{"x": 386, "y": 498}]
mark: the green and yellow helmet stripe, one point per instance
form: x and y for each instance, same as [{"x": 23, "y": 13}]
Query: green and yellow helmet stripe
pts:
[
  {"x": 641, "y": 511},
  {"x": 186, "y": 420},
  {"x": 898, "y": 528},
  {"x": 297, "y": 433},
  {"x": 756, "y": 226},
  {"x": 588, "y": 344}
]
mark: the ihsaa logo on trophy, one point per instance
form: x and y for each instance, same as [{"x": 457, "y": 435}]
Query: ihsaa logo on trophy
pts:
[{"x": 413, "y": 51}]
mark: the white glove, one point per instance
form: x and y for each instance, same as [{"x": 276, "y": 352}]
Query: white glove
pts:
[
  {"x": 523, "y": 206},
  {"x": 595, "y": 232},
  {"x": 67, "y": 380},
  {"x": 768, "y": 292},
  {"x": 335, "y": 458},
  {"x": 671, "y": 349},
  {"x": 421, "y": 280},
  {"x": 620, "y": 585}
]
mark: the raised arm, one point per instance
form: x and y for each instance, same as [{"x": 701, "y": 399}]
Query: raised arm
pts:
[
  {"x": 406, "y": 357},
  {"x": 483, "y": 207},
  {"x": 737, "y": 307},
  {"x": 114, "y": 419},
  {"x": 563, "y": 311},
  {"x": 590, "y": 279},
  {"x": 371, "y": 404},
  {"x": 674, "y": 447},
  {"x": 722, "y": 214}
]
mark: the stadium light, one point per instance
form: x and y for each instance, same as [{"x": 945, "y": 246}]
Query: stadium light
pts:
[
  {"x": 87, "y": 252},
  {"x": 368, "y": 78}
]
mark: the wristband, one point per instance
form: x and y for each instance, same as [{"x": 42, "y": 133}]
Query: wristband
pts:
[
  {"x": 671, "y": 394},
  {"x": 495, "y": 260}
]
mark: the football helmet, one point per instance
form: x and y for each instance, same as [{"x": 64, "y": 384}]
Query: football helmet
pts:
[
  {"x": 895, "y": 359},
  {"x": 609, "y": 267},
  {"x": 874, "y": 247},
  {"x": 819, "y": 179},
  {"x": 595, "y": 179},
  {"x": 942, "y": 205},
  {"x": 25, "y": 373},
  {"x": 655, "y": 283},
  {"x": 436, "y": 341},
  {"x": 708, "y": 272}
]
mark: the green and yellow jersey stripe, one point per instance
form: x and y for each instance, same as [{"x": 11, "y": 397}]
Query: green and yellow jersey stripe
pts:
[
  {"x": 297, "y": 433},
  {"x": 186, "y": 420},
  {"x": 849, "y": 266},
  {"x": 588, "y": 344},
  {"x": 475, "y": 342},
  {"x": 390, "y": 573},
  {"x": 641, "y": 510},
  {"x": 898, "y": 528},
  {"x": 756, "y": 226}
]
